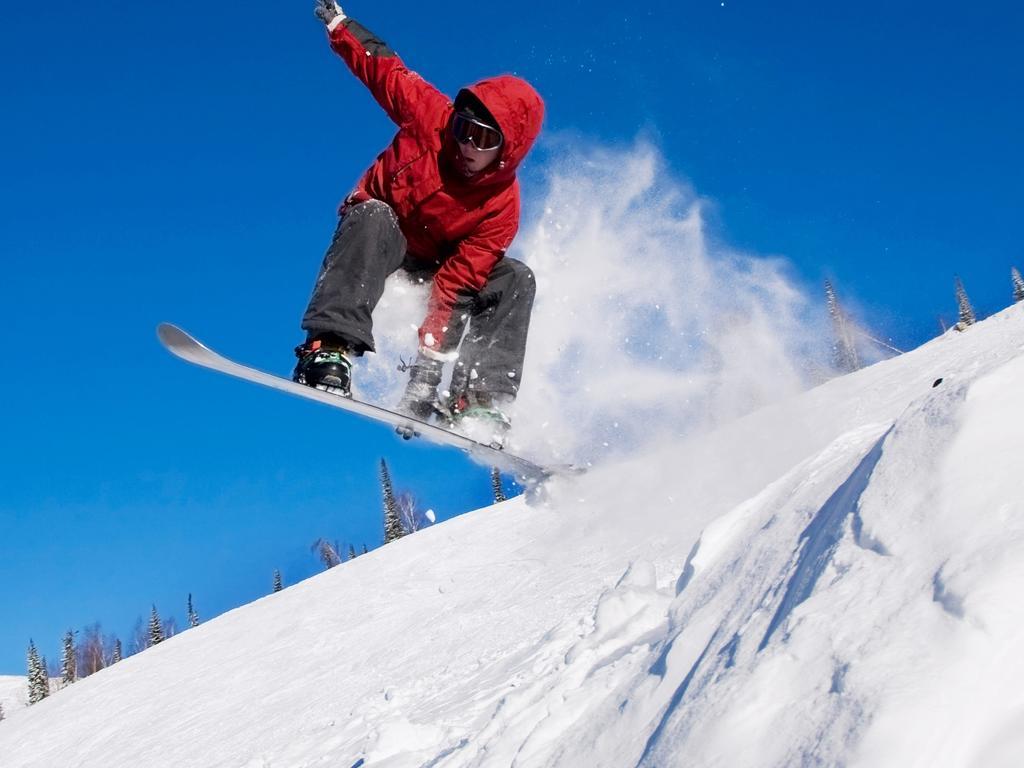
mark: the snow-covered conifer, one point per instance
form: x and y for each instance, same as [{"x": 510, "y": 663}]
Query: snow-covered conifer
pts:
[
  {"x": 1018, "y": 284},
  {"x": 32, "y": 664},
  {"x": 966, "y": 315},
  {"x": 156, "y": 628},
  {"x": 118, "y": 653},
  {"x": 496, "y": 489},
  {"x": 351, "y": 552},
  {"x": 68, "y": 665},
  {"x": 278, "y": 584},
  {"x": 38, "y": 679},
  {"x": 193, "y": 617},
  {"x": 392, "y": 520}
]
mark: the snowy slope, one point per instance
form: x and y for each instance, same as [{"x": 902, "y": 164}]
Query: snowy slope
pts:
[
  {"x": 830, "y": 580},
  {"x": 13, "y": 693}
]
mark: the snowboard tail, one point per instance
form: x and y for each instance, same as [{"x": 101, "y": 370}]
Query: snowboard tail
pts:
[{"x": 181, "y": 344}]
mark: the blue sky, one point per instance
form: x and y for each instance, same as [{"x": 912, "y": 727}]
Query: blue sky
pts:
[{"x": 184, "y": 162}]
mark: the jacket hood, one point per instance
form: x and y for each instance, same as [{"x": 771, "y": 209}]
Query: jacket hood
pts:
[{"x": 519, "y": 112}]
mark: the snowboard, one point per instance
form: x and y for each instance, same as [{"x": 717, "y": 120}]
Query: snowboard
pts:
[{"x": 526, "y": 472}]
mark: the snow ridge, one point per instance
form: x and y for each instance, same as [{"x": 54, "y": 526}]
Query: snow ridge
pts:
[{"x": 819, "y": 539}]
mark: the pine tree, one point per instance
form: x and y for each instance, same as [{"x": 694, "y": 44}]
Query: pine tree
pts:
[
  {"x": 68, "y": 667},
  {"x": 365, "y": 550},
  {"x": 193, "y": 617},
  {"x": 966, "y": 311},
  {"x": 1018, "y": 285},
  {"x": 392, "y": 521},
  {"x": 156, "y": 629},
  {"x": 499, "y": 492},
  {"x": 118, "y": 653},
  {"x": 32, "y": 664},
  {"x": 351, "y": 552},
  {"x": 844, "y": 350},
  {"x": 278, "y": 584},
  {"x": 38, "y": 680}
]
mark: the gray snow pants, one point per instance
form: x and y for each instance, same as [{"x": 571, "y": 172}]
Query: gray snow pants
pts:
[{"x": 368, "y": 246}]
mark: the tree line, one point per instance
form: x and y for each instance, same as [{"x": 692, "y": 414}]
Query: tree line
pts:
[
  {"x": 87, "y": 652},
  {"x": 91, "y": 650},
  {"x": 846, "y": 356},
  {"x": 402, "y": 514}
]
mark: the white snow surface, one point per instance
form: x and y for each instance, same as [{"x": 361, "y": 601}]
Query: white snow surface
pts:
[
  {"x": 830, "y": 580},
  {"x": 750, "y": 575},
  {"x": 13, "y": 694}
]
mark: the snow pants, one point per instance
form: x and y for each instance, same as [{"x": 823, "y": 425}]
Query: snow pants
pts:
[{"x": 368, "y": 246}]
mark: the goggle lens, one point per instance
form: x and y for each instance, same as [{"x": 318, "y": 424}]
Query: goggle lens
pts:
[{"x": 469, "y": 131}]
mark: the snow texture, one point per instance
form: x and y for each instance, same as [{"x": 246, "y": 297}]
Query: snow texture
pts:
[
  {"x": 825, "y": 578},
  {"x": 13, "y": 694},
  {"x": 832, "y": 580}
]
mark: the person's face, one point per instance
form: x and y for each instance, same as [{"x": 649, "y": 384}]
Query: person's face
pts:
[{"x": 471, "y": 161}]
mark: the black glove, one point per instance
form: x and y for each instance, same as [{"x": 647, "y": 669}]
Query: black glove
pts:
[
  {"x": 327, "y": 10},
  {"x": 420, "y": 399}
]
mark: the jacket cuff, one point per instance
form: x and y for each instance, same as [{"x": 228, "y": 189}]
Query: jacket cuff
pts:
[
  {"x": 441, "y": 357},
  {"x": 336, "y": 21}
]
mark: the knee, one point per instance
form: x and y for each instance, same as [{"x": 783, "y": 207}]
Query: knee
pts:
[
  {"x": 377, "y": 207},
  {"x": 373, "y": 214},
  {"x": 524, "y": 283}
]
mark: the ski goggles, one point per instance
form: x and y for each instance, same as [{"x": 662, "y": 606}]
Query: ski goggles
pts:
[{"x": 466, "y": 130}]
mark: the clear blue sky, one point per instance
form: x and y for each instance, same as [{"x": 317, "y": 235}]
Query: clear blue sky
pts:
[{"x": 183, "y": 162}]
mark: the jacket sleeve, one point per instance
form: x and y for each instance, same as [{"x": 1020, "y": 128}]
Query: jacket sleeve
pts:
[
  {"x": 466, "y": 272},
  {"x": 401, "y": 92}
]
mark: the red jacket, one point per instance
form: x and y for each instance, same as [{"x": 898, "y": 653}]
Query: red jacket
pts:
[{"x": 464, "y": 224}]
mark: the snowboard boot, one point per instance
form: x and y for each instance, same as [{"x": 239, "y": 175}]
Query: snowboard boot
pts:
[
  {"x": 324, "y": 364},
  {"x": 420, "y": 399},
  {"x": 482, "y": 417}
]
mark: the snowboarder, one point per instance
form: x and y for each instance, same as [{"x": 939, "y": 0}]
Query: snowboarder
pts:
[{"x": 442, "y": 203}]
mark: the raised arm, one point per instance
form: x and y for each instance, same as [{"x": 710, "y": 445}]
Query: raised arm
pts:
[{"x": 401, "y": 92}]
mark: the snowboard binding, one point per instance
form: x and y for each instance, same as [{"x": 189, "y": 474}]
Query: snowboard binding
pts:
[{"x": 324, "y": 366}]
